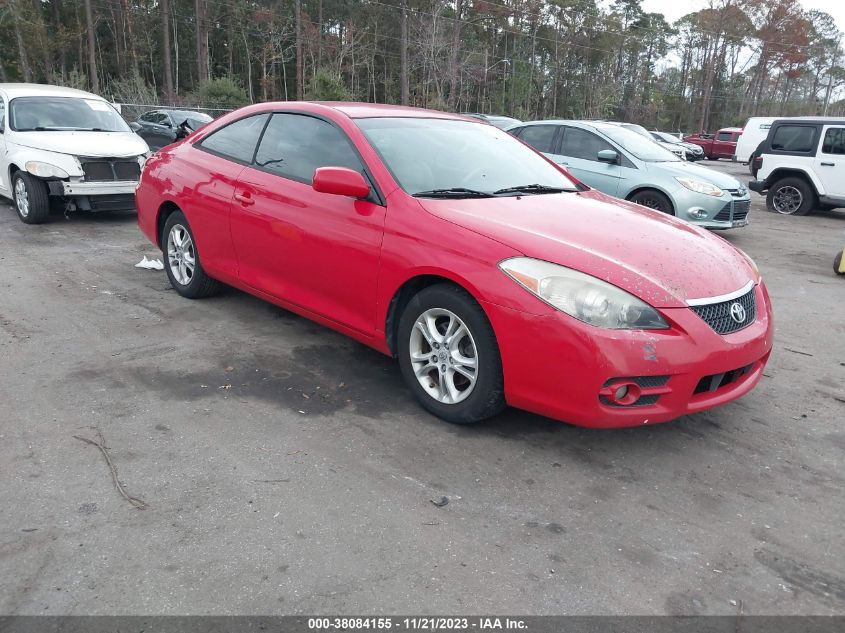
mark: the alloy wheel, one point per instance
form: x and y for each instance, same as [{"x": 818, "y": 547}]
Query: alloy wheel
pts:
[
  {"x": 787, "y": 200},
  {"x": 444, "y": 356},
  {"x": 181, "y": 255},
  {"x": 21, "y": 197}
]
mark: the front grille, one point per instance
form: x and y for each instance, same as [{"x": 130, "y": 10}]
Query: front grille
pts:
[
  {"x": 717, "y": 381},
  {"x": 733, "y": 211},
  {"x": 110, "y": 170},
  {"x": 113, "y": 202},
  {"x": 718, "y": 315}
]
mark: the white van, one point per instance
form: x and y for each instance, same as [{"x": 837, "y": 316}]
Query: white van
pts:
[{"x": 754, "y": 133}]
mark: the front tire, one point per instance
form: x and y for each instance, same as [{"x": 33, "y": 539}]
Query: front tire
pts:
[
  {"x": 790, "y": 196},
  {"x": 32, "y": 201},
  {"x": 654, "y": 200},
  {"x": 449, "y": 356},
  {"x": 182, "y": 261}
]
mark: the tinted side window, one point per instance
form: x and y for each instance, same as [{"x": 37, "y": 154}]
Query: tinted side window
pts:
[
  {"x": 723, "y": 136},
  {"x": 834, "y": 141},
  {"x": 294, "y": 145},
  {"x": 579, "y": 143},
  {"x": 148, "y": 117},
  {"x": 794, "y": 138},
  {"x": 237, "y": 140},
  {"x": 2, "y": 114},
  {"x": 540, "y": 137},
  {"x": 161, "y": 118}
]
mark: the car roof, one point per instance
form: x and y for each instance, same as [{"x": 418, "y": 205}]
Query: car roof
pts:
[
  {"x": 812, "y": 119},
  {"x": 44, "y": 90},
  {"x": 356, "y": 110}
]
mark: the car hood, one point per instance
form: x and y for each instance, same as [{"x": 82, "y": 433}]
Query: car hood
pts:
[
  {"x": 690, "y": 170},
  {"x": 99, "y": 144},
  {"x": 658, "y": 258}
]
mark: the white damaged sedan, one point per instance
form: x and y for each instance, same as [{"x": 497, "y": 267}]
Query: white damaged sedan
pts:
[{"x": 68, "y": 145}]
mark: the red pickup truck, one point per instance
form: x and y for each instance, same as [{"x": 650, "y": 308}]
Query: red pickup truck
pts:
[{"x": 719, "y": 145}]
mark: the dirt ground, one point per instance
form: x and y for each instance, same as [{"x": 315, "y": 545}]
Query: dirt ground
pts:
[{"x": 287, "y": 470}]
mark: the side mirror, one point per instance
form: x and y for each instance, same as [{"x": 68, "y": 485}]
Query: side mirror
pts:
[
  {"x": 340, "y": 181},
  {"x": 134, "y": 126},
  {"x": 608, "y": 156}
]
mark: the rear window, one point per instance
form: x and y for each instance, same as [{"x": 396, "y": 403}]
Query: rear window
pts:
[
  {"x": 794, "y": 138},
  {"x": 724, "y": 136},
  {"x": 834, "y": 141}
]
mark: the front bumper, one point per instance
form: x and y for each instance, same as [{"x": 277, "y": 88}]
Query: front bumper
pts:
[
  {"x": 559, "y": 367},
  {"x": 106, "y": 188},
  {"x": 725, "y": 212},
  {"x": 758, "y": 186}
]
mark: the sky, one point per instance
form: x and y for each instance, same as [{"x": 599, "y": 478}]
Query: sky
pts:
[{"x": 673, "y": 9}]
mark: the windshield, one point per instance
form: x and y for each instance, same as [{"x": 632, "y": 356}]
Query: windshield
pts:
[
  {"x": 666, "y": 138},
  {"x": 427, "y": 155},
  {"x": 643, "y": 148},
  {"x": 195, "y": 119},
  {"x": 64, "y": 114}
]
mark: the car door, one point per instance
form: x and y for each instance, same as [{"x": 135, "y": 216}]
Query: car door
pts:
[
  {"x": 579, "y": 150},
  {"x": 212, "y": 171},
  {"x": 724, "y": 144},
  {"x": 5, "y": 187},
  {"x": 158, "y": 130},
  {"x": 829, "y": 163},
  {"x": 316, "y": 250}
]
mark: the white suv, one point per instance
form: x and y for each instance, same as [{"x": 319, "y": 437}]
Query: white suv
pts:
[
  {"x": 803, "y": 166},
  {"x": 67, "y": 145}
]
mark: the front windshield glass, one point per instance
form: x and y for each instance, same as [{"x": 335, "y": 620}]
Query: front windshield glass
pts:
[
  {"x": 435, "y": 154},
  {"x": 643, "y": 148},
  {"x": 667, "y": 138},
  {"x": 64, "y": 114},
  {"x": 195, "y": 120}
]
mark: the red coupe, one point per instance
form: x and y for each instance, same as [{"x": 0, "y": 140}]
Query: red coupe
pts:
[{"x": 492, "y": 275}]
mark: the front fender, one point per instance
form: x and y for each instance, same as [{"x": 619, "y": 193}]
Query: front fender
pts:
[{"x": 18, "y": 156}]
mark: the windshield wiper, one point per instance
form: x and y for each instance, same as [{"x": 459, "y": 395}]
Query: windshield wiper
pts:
[
  {"x": 535, "y": 188},
  {"x": 453, "y": 192}
]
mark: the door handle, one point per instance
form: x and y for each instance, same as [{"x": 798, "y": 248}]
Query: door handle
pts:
[
  {"x": 244, "y": 198},
  {"x": 828, "y": 164}
]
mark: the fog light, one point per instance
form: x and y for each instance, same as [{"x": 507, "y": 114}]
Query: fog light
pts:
[
  {"x": 697, "y": 213},
  {"x": 620, "y": 393}
]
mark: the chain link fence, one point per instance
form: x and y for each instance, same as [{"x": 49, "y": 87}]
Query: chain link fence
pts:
[{"x": 131, "y": 111}]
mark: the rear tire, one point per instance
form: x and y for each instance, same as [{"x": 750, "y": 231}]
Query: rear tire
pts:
[
  {"x": 182, "y": 260},
  {"x": 449, "y": 356},
  {"x": 32, "y": 201},
  {"x": 653, "y": 199},
  {"x": 790, "y": 196}
]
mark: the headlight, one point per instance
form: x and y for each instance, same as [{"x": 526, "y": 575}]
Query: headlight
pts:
[
  {"x": 700, "y": 186},
  {"x": 45, "y": 170},
  {"x": 582, "y": 296}
]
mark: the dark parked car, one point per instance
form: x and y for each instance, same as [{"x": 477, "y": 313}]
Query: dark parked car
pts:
[{"x": 159, "y": 127}]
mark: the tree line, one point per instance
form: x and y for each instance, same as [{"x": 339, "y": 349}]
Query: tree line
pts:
[{"x": 524, "y": 58}]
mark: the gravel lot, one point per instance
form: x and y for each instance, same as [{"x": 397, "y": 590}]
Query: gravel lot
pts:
[{"x": 287, "y": 470}]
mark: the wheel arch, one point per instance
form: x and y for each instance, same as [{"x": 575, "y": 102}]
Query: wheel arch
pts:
[
  {"x": 786, "y": 172},
  {"x": 658, "y": 189},
  {"x": 164, "y": 211},
  {"x": 406, "y": 291}
]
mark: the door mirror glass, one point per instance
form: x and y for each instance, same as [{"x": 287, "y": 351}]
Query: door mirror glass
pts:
[
  {"x": 340, "y": 181},
  {"x": 608, "y": 156}
]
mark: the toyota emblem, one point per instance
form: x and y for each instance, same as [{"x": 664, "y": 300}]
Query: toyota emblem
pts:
[{"x": 738, "y": 312}]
